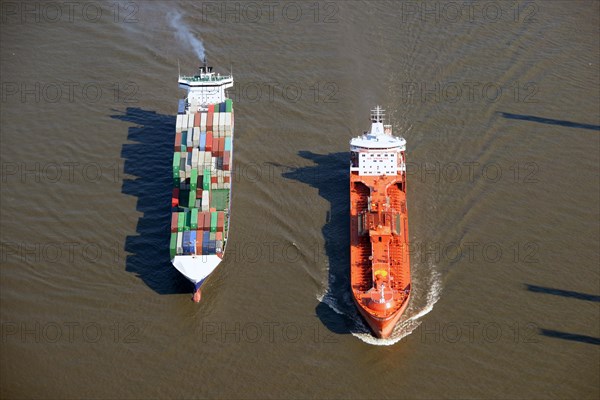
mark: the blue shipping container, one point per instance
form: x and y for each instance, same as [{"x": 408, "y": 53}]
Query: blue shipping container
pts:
[
  {"x": 183, "y": 138},
  {"x": 181, "y": 107},
  {"x": 205, "y": 242},
  {"x": 186, "y": 242},
  {"x": 202, "y": 141},
  {"x": 193, "y": 242},
  {"x": 222, "y": 107},
  {"x": 227, "y": 143}
]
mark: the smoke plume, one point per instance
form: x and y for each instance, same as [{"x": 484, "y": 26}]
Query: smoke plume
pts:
[{"x": 183, "y": 33}]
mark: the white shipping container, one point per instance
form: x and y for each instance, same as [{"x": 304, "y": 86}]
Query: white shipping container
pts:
[
  {"x": 182, "y": 163},
  {"x": 215, "y": 125},
  {"x": 196, "y": 137},
  {"x": 189, "y": 139},
  {"x": 200, "y": 162},
  {"x": 205, "y": 200},
  {"x": 188, "y": 164},
  {"x": 190, "y": 122},
  {"x": 213, "y": 164},
  {"x": 179, "y": 242},
  {"x": 203, "y": 122},
  {"x": 179, "y": 123},
  {"x": 222, "y": 118},
  {"x": 226, "y": 185},
  {"x": 195, "y": 155}
]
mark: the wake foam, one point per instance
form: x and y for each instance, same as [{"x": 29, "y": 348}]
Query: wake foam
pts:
[{"x": 418, "y": 308}]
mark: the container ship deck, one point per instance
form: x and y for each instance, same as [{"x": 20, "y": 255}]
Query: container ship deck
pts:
[
  {"x": 202, "y": 165},
  {"x": 379, "y": 257}
]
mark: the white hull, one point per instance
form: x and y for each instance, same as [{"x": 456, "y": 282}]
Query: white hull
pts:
[{"x": 196, "y": 268}]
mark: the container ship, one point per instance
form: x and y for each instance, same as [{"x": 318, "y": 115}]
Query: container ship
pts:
[
  {"x": 379, "y": 257},
  {"x": 202, "y": 165}
]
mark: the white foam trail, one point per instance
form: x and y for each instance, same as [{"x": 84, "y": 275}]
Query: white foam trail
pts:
[
  {"x": 183, "y": 33},
  {"x": 331, "y": 302},
  {"x": 403, "y": 329}
]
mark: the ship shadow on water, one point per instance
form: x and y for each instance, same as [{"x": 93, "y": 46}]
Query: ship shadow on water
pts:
[
  {"x": 549, "y": 121},
  {"x": 569, "y": 294},
  {"x": 329, "y": 176},
  {"x": 148, "y": 160}
]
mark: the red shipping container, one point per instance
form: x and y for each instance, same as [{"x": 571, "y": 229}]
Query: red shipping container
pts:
[
  {"x": 197, "y": 120},
  {"x": 220, "y": 221},
  {"x": 214, "y": 179},
  {"x": 209, "y": 117},
  {"x": 209, "y": 139},
  {"x": 226, "y": 179},
  {"x": 178, "y": 141},
  {"x": 175, "y": 198},
  {"x": 174, "y": 217},
  {"x": 199, "y": 239},
  {"x": 200, "y": 222},
  {"x": 219, "y": 236},
  {"x": 199, "y": 190},
  {"x": 226, "y": 160},
  {"x": 215, "y": 146},
  {"x": 206, "y": 223}
]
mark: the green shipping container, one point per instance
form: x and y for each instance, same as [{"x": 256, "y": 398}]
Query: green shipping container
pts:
[
  {"x": 228, "y": 105},
  {"x": 180, "y": 221},
  {"x": 173, "y": 245},
  {"x": 220, "y": 199},
  {"x": 192, "y": 199},
  {"x": 194, "y": 219},
  {"x": 176, "y": 162},
  {"x": 188, "y": 218},
  {"x": 206, "y": 180},
  {"x": 213, "y": 221},
  {"x": 194, "y": 179}
]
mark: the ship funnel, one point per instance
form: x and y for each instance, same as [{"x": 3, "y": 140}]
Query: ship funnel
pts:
[{"x": 203, "y": 68}]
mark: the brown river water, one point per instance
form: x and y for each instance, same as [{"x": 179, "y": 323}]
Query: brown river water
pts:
[{"x": 499, "y": 102}]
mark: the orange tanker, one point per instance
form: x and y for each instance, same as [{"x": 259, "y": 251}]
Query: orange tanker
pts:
[{"x": 379, "y": 257}]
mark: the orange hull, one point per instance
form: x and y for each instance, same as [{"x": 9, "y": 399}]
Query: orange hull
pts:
[{"x": 379, "y": 257}]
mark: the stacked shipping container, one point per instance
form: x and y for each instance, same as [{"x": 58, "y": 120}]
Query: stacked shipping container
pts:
[{"x": 201, "y": 180}]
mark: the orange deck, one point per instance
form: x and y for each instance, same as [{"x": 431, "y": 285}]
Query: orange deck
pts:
[{"x": 379, "y": 257}]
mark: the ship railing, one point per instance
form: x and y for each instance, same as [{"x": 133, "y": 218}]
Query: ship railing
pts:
[{"x": 206, "y": 78}]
